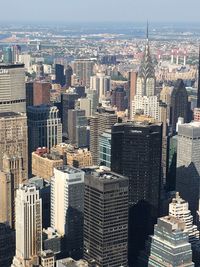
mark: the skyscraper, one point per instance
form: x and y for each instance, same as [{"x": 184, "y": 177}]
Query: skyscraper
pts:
[
  {"x": 136, "y": 153},
  {"x": 105, "y": 148},
  {"x": 41, "y": 93},
  {"x": 59, "y": 71},
  {"x": 198, "y": 89},
  {"x": 28, "y": 226},
  {"x": 78, "y": 128},
  {"x": 68, "y": 76},
  {"x": 188, "y": 164},
  {"x": 13, "y": 138},
  {"x": 101, "y": 83},
  {"x": 67, "y": 195},
  {"x": 67, "y": 102},
  {"x": 169, "y": 245},
  {"x": 7, "y": 55},
  {"x": 83, "y": 68},
  {"x": 179, "y": 104},
  {"x": 133, "y": 79},
  {"x": 12, "y": 88},
  {"x": 98, "y": 124},
  {"x": 106, "y": 218}
]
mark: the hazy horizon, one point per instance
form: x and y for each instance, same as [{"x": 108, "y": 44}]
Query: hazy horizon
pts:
[{"x": 62, "y": 11}]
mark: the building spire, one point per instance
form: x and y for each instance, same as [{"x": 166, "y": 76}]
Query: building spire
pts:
[
  {"x": 147, "y": 31},
  {"x": 198, "y": 90}
]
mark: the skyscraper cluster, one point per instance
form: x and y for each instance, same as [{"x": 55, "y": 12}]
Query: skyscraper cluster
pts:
[{"x": 97, "y": 169}]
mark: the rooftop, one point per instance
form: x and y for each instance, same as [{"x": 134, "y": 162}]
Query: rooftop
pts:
[
  {"x": 68, "y": 169},
  {"x": 9, "y": 114}
]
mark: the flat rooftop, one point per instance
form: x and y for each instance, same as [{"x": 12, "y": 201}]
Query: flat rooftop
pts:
[
  {"x": 11, "y": 66},
  {"x": 9, "y": 114},
  {"x": 68, "y": 169}
]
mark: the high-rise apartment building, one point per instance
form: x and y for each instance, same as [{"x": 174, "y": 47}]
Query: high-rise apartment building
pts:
[
  {"x": 136, "y": 150},
  {"x": 179, "y": 104},
  {"x": 28, "y": 226},
  {"x": 67, "y": 195},
  {"x": 98, "y": 124},
  {"x": 118, "y": 98},
  {"x": 12, "y": 88},
  {"x": 169, "y": 246},
  {"x": 83, "y": 68},
  {"x": 133, "y": 79},
  {"x": 188, "y": 164},
  {"x": 106, "y": 218}
]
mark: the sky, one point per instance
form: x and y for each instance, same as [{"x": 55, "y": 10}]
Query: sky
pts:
[{"x": 100, "y": 10}]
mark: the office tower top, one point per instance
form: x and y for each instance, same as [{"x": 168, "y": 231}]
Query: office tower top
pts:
[
  {"x": 146, "y": 74},
  {"x": 106, "y": 218},
  {"x": 101, "y": 83},
  {"x": 136, "y": 152},
  {"x": 179, "y": 104},
  {"x": 169, "y": 245},
  {"x": 68, "y": 76},
  {"x": 179, "y": 208},
  {"x": 188, "y": 164},
  {"x": 12, "y": 88},
  {"x": 198, "y": 89},
  {"x": 28, "y": 226}
]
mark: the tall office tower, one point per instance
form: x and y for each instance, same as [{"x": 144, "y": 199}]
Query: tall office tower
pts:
[
  {"x": 80, "y": 90},
  {"x": 7, "y": 245},
  {"x": 68, "y": 76},
  {"x": 28, "y": 226},
  {"x": 44, "y": 188},
  {"x": 16, "y": 50},
  {"x": 93, "y": 96},
  {"x": 47, "y": 258},
  {"x": 188, "y": 164},
  {"x": 106, "y": 218},
  {"x": 13, "y": 138},
  {"x": 67, "y": 102},
  {"x": 67, "y": 195},
  {"x": 85, "y": 104},
  {"x": 118, "y": 98},
  {"x": 105, "y": 148},
  {"x": 11, "y": 176},
  {"x": 83, "y": 68},
  {"x": 29, "y": 94},
  {"x": 98, "y": 124},
  {"x": 179, "y": 104},
  {"x": 44, "y": 127},
  {"x": 41, "y": 93},
  {"x": 133, "y": 79},
  {"x": 136, "y": 150},
  {"x": 198, "y": 89},
  {"x": 78, "y": 128},
  {"x": 168, "y": 246},
  {"x": 7, "y": 55},
  {"x": 12, "y": 88},
  {"x": 40, "y": 71},
  {"x": 101, "y": 83},
  {"x": 59, "y": 72}
]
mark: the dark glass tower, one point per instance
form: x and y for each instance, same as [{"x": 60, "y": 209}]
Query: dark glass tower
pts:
[
  {"x": 60, "y": 77},
  {"x": 136, "y": 153},
  {"x": 179, "y": 104}
]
